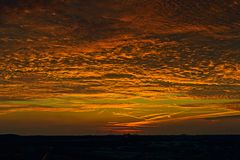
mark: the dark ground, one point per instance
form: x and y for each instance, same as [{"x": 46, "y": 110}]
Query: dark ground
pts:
[{"x": 119, "y": 147}]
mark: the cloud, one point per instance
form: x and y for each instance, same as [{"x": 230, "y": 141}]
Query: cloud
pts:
[
  {"x": 116, "y": 76},
  {"x": 176, "y": 60},
  {"x": 223, "y": 117}
]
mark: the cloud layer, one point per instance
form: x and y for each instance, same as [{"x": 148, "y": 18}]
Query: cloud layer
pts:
[{"x": 140, "y": 64}]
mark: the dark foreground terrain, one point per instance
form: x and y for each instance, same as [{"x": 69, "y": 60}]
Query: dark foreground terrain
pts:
[{"x": 119, "y": 147}]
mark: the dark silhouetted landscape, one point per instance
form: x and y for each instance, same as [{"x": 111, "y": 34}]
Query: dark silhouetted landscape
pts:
[{"x": 125, "y": 147}]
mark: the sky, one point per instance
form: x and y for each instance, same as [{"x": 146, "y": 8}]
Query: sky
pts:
[{"x": 96, "y": 67}]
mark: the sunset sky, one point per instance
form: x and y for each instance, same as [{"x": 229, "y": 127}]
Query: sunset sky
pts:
[{"x": 77, "y": 67}]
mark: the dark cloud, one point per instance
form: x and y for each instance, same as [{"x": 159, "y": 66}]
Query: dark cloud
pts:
[
  {"x": 115, "y": 75},
  {"x": 26, "y": 3},
  {"x": 224, "y": 117}
]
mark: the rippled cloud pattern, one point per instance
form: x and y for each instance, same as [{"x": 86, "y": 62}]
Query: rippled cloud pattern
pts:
[{"x": 119, "y": 66}]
